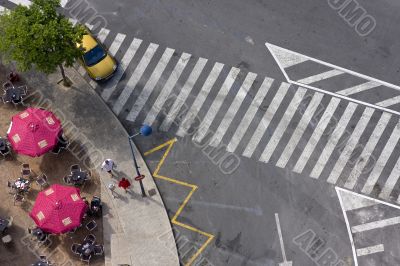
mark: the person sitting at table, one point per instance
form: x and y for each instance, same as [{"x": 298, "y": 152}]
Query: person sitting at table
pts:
[{"x": 95, "y": 206}]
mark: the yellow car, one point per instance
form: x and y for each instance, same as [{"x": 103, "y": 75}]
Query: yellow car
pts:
[{"x": 96, "y": 60}]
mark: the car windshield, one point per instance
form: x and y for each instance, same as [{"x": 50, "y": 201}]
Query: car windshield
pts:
[{"x": 93, "y": 56}]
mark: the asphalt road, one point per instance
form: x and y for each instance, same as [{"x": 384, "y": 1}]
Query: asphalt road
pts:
[{"x": 239, "y": 208}]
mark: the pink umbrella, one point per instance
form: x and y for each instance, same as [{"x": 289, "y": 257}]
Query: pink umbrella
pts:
[
  {"x": 34, "y": 131},
  {"x": 58, "y": 209}
]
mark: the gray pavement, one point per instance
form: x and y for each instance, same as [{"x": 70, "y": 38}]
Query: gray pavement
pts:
[{"x": 137, "y": 230}]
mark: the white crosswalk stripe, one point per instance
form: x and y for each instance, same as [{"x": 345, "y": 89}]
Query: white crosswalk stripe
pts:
[
  {"x": 248, "y": 117},
  {"x": 367, "y": 151},
  {"x": 199, "y": 101},
  {"x": 359, "y": 88},
  {"x": 216, "y": 105},
  {"x": 167, "y": 89},
  {"x": 321, "y": 76},
  {"x": 316, "y": 136},
  {"x": 230, "y": 114},
  {"x": 134, "y": 79},
  {"x": 350, "y": 145},
  {"x": 183, "y": 94},
  {"x": 112, "y": 85},
  {"x": 333, "y": 140},
  {"x": 150, "y": 85},
  {"x": 283, "y": 124},
  {"x": 168, "y": 96},
  {"x": 383, "y": 158},
  {"x": 299, "y": 131},
  {"x": 266, "y": 119}
]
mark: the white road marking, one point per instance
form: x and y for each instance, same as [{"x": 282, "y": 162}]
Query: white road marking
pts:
[
  {"x": 150, "y": 84},
  {"x": 183, "y": 94},
  {"x": 354, "y": 201},
  {"x": 375, "y": 224},
  {"x": 102, "y": 35},
  {"x": 134, "y": 79},
  {"x": 367, "y": 151},
  {"x": 248, "y": 117},
  {"x": 266, "y": 119},
  {"x": 333, "y": 140},
  {"x": 235, "y": 106},
  {"x": 383, "y": 158},
  {"x": 216, "y": 105},
  {"x": 199, "y": 101},
  {"x": 283, "y": 124},
  {"x": 283, "y": 58},
  {"x": 2, "y": 9},
  {"x": 346, "y": 220},
  {"x": 21, "y": 2},
  {"x": 389, "y": 102},
  {"x": 321, "y": 76},
  {"x": 391, "y": 181},
  {"x": 64, "y": 3},
  {"x": 111, "y": 85},
  {"x": 299, "y": 131},
  {"x": 316, "y": 135},
  {"x": 359, "y": 88},
  {"x": 369, "y": 250},
  {"x": 350, "y": 145},
  {"x": 116, "y": 44},
  {"x": 168, "y": 87},
  {"x": 279, "y": 52},
  {"x": 278, "y": 226}
]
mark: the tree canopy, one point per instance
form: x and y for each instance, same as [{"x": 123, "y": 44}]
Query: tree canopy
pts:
[{"x": 38, "y": 36}]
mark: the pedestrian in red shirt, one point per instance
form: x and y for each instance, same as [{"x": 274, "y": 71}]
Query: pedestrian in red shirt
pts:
[{"x": 124, "y": 183}]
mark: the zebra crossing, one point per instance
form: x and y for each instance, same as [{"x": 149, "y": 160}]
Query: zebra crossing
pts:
[
  {"x": 325, "y": 137},
  {"x": 309, "y": 132}
]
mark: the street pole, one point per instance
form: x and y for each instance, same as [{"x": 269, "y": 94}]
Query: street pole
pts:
[
  {"x": 136, "y": 166},
  {"x": 145, "y": 130}
]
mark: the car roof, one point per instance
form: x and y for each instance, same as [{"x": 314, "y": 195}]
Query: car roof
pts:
[{"x": 88, "y": 42}]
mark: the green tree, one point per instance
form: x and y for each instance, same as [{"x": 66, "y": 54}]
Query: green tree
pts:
[{"x": 40, "y": 37}]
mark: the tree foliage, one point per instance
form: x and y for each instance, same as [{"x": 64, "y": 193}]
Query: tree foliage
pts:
[{"x": 38, "y": 36}]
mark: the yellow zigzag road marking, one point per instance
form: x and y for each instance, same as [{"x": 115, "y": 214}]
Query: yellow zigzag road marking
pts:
[{"x": 193, "y": 188}]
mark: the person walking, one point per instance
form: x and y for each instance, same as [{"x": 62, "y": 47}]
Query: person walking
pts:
[
  {"x": 124, "y": 183},
  {"x": 108, "y": 165},
  {"x": 111, "y": 187}
]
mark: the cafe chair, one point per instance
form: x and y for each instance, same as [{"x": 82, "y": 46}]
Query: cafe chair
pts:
[
  {"x": 86, "y": 258},
  {"x": 18, "y": 198},
  {"x": 10, "y": 221},
  {"x": 75, "y": 168},
  {"x": 75, "y": 248},
  {"x": 6, "y": 152},
  {"x": 17, "y": 102},
  {"x": 42, "y": 181},
  {"x": 67, "y": 180},
  {"x": 90, "y": 226},
  {"x": 98, "y": 250},
  {"x": 90, "y": 238},
  {"x": 26, "y": 171},
  {"x": 8, "y": 85}
]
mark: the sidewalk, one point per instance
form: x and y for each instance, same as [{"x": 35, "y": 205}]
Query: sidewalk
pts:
[{"x": 137, "y": 230}]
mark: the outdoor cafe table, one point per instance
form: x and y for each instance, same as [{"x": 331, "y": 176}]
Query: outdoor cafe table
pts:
[
  {"x": 13, "y": 94},
  {"x": 87, "y": 248},
  {"x": 41, "y": 263},
  {"x": 21, "y": 183},
  {"x": 78, "y": 176},
  {"x": 3, "y": 224}
]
